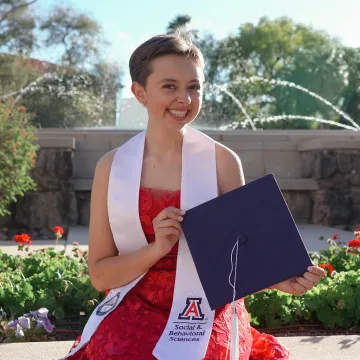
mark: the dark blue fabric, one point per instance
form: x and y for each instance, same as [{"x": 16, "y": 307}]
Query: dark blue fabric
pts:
[{"x": 271, "y": 249}]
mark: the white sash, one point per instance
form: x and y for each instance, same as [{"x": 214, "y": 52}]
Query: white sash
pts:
[{"x": 187, "y": 333}]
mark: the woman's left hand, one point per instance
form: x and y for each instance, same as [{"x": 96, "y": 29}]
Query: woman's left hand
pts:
[{"x": 298, "y": 286}]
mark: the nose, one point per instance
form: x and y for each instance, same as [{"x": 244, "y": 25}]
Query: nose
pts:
[{"x": 184, "y": 98}]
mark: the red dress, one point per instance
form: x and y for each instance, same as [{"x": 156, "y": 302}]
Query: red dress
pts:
[{"x": 131, "y": 331}]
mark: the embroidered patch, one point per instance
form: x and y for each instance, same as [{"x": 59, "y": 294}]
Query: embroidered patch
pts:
[
  {"x": 192, "y": 310},
  {"x": 108, "y": 306}
]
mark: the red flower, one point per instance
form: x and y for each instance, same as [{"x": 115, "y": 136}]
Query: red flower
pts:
[
  {"x": 75, "y": 243},
  {"x": 354, "y": 243},
  {"x": 21, "y": 108},
  {"x": 34, "y": 162},
  {"x": 328, "y": 267},
  {"x": 9, "y": 111},
  {"x": 31, "y": 155},
  {"x": 14, "y": 148},
  {"x": 58, "y": 230},
  {"x": 336, "y": 237},
  {"x": 23, "y": 132},
  {"x": 23, "y": 239}
]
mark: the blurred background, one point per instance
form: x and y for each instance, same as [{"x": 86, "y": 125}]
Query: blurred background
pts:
[{"x": 271, "y": 65}]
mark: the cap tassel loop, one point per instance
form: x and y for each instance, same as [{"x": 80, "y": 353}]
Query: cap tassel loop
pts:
[{"x": 234, "y": 331}]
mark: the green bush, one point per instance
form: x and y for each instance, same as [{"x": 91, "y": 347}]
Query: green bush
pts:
[
  {"x": 17, "y": 154},
  {"x": 334, "y": 302},
  {"x": 49, "y": 279}
]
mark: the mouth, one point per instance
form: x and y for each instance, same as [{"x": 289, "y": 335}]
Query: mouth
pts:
[{"x": 178, "y": 115}]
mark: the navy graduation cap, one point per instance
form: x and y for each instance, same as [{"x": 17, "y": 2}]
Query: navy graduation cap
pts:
[{"x": 270, "y": 248}]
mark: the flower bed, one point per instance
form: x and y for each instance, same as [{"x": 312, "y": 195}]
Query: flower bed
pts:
[{"x": 47, "y": 279}]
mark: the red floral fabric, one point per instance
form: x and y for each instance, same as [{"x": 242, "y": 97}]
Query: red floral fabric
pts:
[{"x": 131, "y": 331}]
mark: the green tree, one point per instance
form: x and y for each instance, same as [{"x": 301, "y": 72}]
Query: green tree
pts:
[
  {"x": 17, "y": 25},
  {"x": 180, "y": 25},
  {"x": 180, "y": 22},
  {"x": 81, "y": 89},
  {"x": 76, "y": 34},
  {"x": 282, "y": 50},
  {"x": 351, "y": 94}
]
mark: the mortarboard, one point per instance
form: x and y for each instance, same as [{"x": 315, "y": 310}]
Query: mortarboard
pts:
[{"x": 270, "y": 248}]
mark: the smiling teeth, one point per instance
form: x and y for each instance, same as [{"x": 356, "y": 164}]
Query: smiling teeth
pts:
[{"x": 178, "y": 113}]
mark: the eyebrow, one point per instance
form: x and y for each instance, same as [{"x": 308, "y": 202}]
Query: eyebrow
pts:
[{"x": 174, "y": 80}]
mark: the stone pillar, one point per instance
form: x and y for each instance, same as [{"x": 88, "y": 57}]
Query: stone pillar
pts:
[
  {"x": 54, "y": 201},
  {"x": 336, "y": 168}
]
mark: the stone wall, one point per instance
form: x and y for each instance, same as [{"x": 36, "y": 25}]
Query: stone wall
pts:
[
  {"x": 53, "y": 202},
  {"x": 336, "y": 169},
  {"x": 317, "y": 171}
]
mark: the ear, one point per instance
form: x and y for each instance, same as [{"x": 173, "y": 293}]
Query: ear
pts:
[{"x": 139, "y": 92}]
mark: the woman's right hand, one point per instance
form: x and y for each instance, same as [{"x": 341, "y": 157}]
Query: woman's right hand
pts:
[{"x": 167, "y": 229}]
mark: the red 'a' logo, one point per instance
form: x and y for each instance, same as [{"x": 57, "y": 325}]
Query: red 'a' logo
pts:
[{"x": 192, "y": 310}]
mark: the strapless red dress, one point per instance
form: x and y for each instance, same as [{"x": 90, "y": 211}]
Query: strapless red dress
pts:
[{"x": 131, "y": 331}]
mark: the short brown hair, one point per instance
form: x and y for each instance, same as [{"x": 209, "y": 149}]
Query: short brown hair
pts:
[{"x": 160, "y": 45}]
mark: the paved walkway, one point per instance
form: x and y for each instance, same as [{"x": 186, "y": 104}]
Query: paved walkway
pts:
[
  {"x": 309, "y": 233},
  {"x": 301, "y": 348}
]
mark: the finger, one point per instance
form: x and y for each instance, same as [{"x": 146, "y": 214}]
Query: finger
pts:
[
  {"x": 316, "y": 270},
  {"x": 170, "y": 231},
  {"x": 311, "y": 277},
  {"x": 308, "y": 285},
  {"x": 170, "y": 212},
  {"x": 298, "y": 290},
  {"x": 169, "y": 223}
]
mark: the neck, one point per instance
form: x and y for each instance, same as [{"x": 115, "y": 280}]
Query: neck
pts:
[{"x": 163, "y": 143}]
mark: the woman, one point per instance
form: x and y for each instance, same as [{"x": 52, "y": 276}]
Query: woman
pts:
[{"x": 146, "y": 179}]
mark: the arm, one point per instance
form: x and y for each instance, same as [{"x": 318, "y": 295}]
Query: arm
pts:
[
  {"x": 107, "y": 268},
  {"x": 229, "y": 169}
]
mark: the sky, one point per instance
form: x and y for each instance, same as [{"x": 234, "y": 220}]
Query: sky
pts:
[{"x": 128, "y": 23}]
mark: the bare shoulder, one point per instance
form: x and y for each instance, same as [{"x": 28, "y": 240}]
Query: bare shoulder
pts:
[
  {"x": 229, "y": 169},
  {"x": 105, "y": 162}
]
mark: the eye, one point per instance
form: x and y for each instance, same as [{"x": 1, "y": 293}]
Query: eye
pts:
[
  {"x": 168, "y": 86},
  {"x": 196, "y": 87}
]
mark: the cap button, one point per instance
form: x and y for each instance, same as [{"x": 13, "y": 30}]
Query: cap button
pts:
[{"x": 242, "y": 238}]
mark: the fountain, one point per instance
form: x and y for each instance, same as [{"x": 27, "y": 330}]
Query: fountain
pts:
[
  {"x": 73, "y": 88},
  {"x": 354, "y": 126}
]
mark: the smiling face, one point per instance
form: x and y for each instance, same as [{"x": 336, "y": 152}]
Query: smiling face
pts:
[{"x": 173, "y": 91}]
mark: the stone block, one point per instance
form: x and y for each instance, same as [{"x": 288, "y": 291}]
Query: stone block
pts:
[
  {"x": 325, "y": 165},
  {"x": 355, "y": 172},
  {"x": 3, "y": 232},
  {"x": 243, "y": 145},
  {"x": 337, "y": 181},
  {"x": 307, "y": 163},
  {"x": 300, "y": 205},
  {"x": 93, "y": 145},
  {"x": 283, "y": 164},
  {"x": 345, "y": 161},
  {"x": 55, "y": 163},
  {"x": 252, "y": 163},
  {"x": 85, "y": 163},
  {"x": 47, "y": 209},
  {"x": 355, "y": 195},
  {"x": 355, "y": 222},
  {"x": 57, "y": 142},
  {"x": 332, "y": 208},
  {"x": 83, "y": 204},
  {"x": 83, "y": 184}
]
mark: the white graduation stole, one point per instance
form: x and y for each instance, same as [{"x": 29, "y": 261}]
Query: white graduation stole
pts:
[{"x": 187, "y": 333}]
